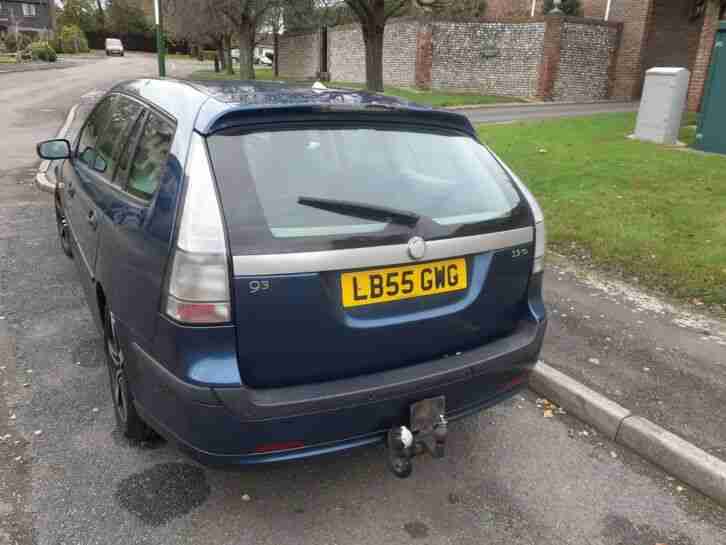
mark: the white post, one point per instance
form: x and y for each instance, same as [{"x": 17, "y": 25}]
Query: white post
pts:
[
  {"x": 156, "y": 12},
  {"x": 534, "y": 7},
  {"x": 607, "y": 10}
]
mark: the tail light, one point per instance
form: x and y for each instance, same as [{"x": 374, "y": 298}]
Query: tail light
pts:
[
  {"x": 540, "y": 242},
  {"x": 198, "y": 284}
]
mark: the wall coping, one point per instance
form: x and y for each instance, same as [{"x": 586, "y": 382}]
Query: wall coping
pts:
[
  {"x": 296, "y": 33},
  {"x": 590, "y": 21},
  {"x": 538, "y": 19}
]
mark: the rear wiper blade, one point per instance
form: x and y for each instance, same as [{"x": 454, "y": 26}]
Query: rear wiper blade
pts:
[{"x": 362, "y": 210}]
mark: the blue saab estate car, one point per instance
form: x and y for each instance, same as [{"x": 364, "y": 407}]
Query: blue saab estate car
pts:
[{"x": 282, "y": 271}]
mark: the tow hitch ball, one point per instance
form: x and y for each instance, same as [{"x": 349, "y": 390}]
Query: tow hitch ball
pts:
[{"x": 403, "y": 445}]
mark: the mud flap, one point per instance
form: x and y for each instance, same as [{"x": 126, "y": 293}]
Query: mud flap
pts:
[{"x": 426, "y": 435}]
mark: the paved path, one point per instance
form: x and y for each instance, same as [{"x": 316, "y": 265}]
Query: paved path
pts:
[
  {"x": 507, "y": 113},
  {"x": 510, "y": 477},
  {"x": 659, "y": 359}
]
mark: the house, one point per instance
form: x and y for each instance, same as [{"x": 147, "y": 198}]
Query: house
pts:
[
  {"x": 655, "y": 33},
  {"x": 27, "y": 16}
]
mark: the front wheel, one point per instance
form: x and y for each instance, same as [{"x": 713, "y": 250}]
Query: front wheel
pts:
[
  {"x": 127, "y": 419},
  {"x": 64, "y": 233}
]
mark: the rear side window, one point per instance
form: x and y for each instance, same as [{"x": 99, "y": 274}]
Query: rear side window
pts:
[
  {"x": 150, "y": 157},
  {"x": 447, "y": 178}
]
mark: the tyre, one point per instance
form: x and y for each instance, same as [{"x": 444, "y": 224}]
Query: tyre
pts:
[
  {"x": 127, "y": 419},
  {"x": 64, "y": 233}
]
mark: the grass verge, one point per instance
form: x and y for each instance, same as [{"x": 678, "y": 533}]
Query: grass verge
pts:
[
  {"x": 652, "y": 212},
  {"x": 433, "y": 98}
]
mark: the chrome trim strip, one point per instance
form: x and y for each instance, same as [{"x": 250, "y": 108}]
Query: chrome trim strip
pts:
[{"x": 359, "y": 258}]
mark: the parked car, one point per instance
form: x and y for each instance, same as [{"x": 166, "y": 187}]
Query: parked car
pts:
[
  {"x": 114, "y": 46},
  {"x": 280, "y": 272},
  {"x": 259, "y": 60},
  {"x": 263, "y": 60}
]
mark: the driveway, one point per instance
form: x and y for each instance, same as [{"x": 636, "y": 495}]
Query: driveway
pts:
[{"x": 510, "y": 476}]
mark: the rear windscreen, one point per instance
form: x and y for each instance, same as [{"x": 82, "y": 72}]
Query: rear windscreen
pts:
[{"x": 449, "y": 179}]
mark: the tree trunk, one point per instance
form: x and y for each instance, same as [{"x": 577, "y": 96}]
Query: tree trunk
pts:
[
  {"x": 373, "y": 40},
  {"x": 220, "y": 53},
  {"x": 100, "y": 14},
  {"x": 228, "y": 54},
  {"x": 275, "y": 54},
  {"x": 246, "y": 39}
]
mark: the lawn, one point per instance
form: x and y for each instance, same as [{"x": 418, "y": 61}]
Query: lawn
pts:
[
  {"x": 648, "y": 211},
  {"x": 433, "y": 98}
]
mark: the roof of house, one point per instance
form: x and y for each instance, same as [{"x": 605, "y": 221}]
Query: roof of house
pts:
[{"x": 216, "y": 105}]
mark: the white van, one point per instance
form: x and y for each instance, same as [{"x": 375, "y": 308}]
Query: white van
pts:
[{"x": 114, "y": 47}]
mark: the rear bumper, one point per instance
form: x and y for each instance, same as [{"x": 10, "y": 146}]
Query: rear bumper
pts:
[{"x": 230, "y": 425}]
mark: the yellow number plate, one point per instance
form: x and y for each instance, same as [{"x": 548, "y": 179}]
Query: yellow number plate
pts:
[{"x": 406, "y": 282}]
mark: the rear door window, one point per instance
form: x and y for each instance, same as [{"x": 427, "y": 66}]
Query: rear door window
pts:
[
  {"x": 87, "y": 148},
  {"x": 150, "y": 157},
  {"x": 448, "y": 179},
  {"x": 121, "y": 117}
]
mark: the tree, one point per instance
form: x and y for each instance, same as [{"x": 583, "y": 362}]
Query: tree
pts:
[
  {"x": 201, "y": 22},
  {"x": 246, "y": 17},
  {"x": 80, "y": 13},
  {"x": 125, "y": 17},
  {"x": 568, "y": 7},
  {"x": 372, "y": 16}
]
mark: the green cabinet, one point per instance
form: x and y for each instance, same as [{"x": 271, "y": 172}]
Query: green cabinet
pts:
[{"x": 711, "y": 135}]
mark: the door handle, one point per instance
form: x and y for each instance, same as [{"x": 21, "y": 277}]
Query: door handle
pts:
[{"x": 92, "y": 220}]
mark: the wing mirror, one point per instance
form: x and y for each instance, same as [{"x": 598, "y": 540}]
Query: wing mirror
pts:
[
  {"x": 100, "y": 164},
  {"x": 59, "y": 148}
]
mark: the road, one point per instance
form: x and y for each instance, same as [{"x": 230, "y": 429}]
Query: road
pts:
[
  {"x": 515, "y": 112},
  {"x": 510, "y": 476}
]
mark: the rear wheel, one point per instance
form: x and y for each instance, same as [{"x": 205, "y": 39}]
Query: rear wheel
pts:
[{"x": 127, "y": 419}]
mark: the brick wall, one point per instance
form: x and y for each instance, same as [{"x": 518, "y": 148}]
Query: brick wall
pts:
[
  {"x": 702, "y": 62},
  {"x": 550, "y": 64},
  {"x": 511, "y": 8},
  {"x": 299, "y": 55},
  {"x": 637, "y": 18},
  {"x": 346, "y": 53},
  {"x": 673, "y": 37},
  {"x": 590, "y": 8},
  {"x": 460, "y": 60},
  {"x": 594, "y": 8},
  {"x": 553, "y": 58},
  {"x": 585, "y": 53}
]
